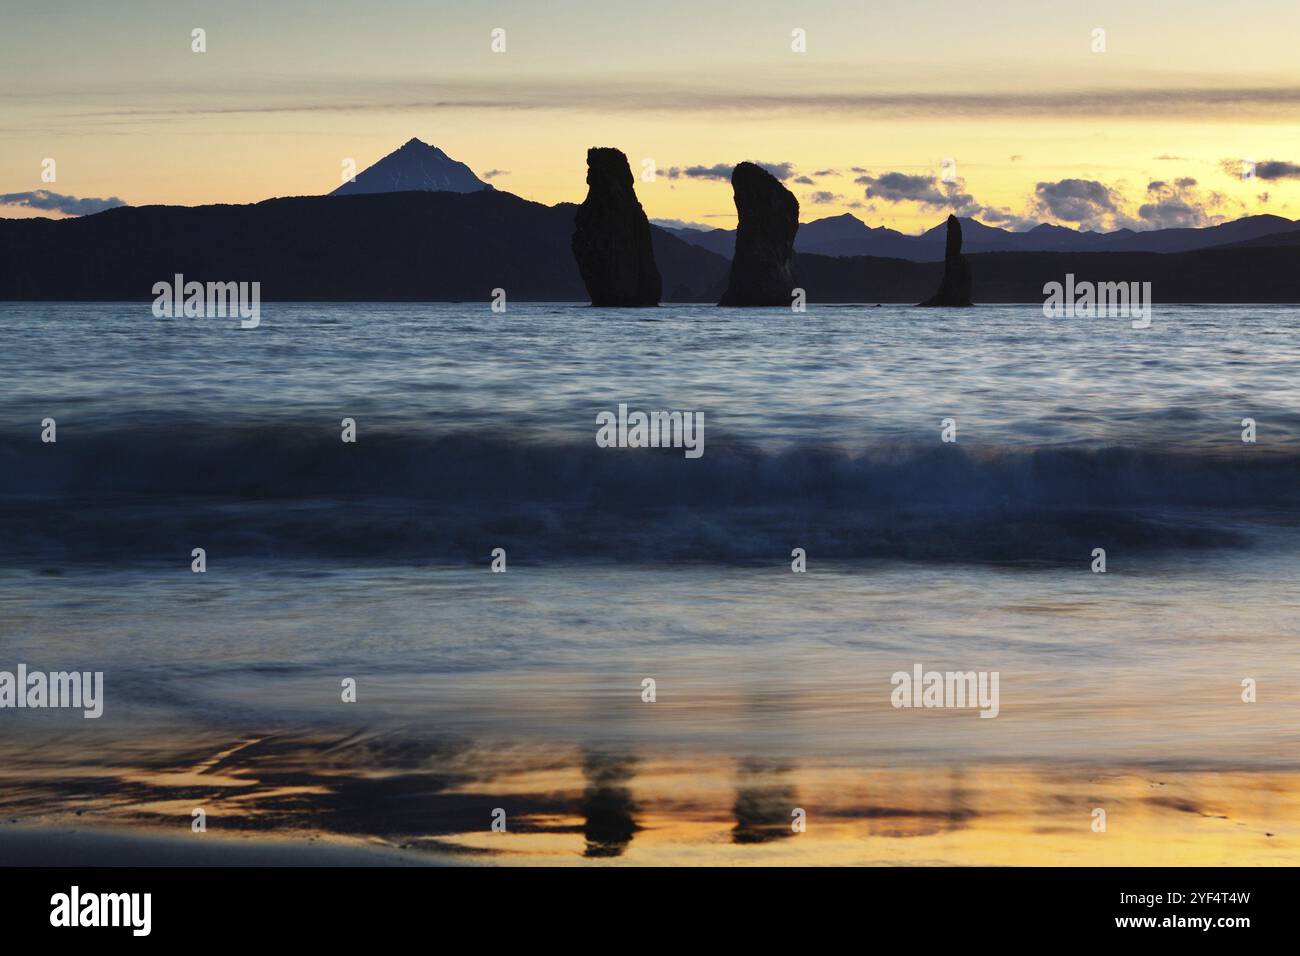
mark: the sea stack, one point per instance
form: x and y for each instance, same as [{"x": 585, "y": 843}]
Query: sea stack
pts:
[
  {"x": 954, "y": 290},
  {"x": 762, "y": 269},
  {"x": 611, "y": 236}
]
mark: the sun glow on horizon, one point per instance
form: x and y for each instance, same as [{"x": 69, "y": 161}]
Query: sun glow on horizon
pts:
[{"x": 1020, "y": 120}]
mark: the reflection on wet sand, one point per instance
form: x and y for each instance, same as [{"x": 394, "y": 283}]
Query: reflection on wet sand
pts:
[
  {"x": 607, "y": 805},
  {"x": 435, "y": 796},
  {"x": 765, "y": 803}
]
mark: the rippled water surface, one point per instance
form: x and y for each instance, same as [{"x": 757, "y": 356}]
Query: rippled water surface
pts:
[
  {"x": 847, "y": 375},
  {"x": 524, "y": 690}
]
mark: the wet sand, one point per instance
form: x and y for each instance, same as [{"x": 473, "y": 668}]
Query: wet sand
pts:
[
  {"x": 390, "y": 798},
  {"x": 57, "y": 846}
]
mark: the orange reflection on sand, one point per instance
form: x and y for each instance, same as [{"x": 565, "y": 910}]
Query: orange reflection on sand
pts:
[{"x": 567, "y": 806}]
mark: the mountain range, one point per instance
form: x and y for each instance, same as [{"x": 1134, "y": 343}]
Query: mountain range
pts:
[
  {"x": 406, "y": 246},
  {"x": 445, "y": 235},
  {"x": 417, "y": 165},
  {"x": 846, "y": 235}
]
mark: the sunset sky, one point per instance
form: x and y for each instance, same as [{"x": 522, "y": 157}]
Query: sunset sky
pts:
[{"x": 1149, "y": 133}]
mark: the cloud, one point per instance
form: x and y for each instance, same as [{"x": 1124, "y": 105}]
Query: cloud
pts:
[
  {"x": 1167, "y": 204},
  {"x": 47, "y": 201},
  {"x": 1185, "y": 182},
  {"x": 781, "y": 171},
  {"x": 1167, "y": 156},
  {"x": 1006, "y": 218},
  {"x": 1084, "y": 201},
  {"x": 1177, "y": 205},
  {"x": 924, "y": 189},
  {"x": 823, "y": 197},
  {"x": 1268, "y": 169},
  {"x": 722, "y": 171},
  {"x": 996, "y": 216},
  {"x": 1232, "y": 100},
  {"x": 682, "y": 224},
  {"x": 933, "y": 193},
  {"x": 1277, "y": 169},
  {"x": 805, "y": 181},
  {"x": 494, "y": 173},
  {"x": 827, "y": 172}
]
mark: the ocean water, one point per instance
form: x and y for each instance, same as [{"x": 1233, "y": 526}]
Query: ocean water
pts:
[{"x": 476, "y": 690}]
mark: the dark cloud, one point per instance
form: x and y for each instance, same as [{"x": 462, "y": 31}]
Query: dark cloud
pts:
[
  {"x": 1177, "y": 205},
  {"x": 1083, "y": 201},
  {"x": 781, "y": 171},
  {"x": 805, "y": 181},
  {"x": 822, "y": 197},
  {"x": 1268, "y": 169},
  {"x": 827, "y": 172},
  {"x": 1007, "y": 218},
  {"x": 722, "y": 171},
  {"x": 494, "y": 173},
  {"x": 719, "y": 171},
  {"x": 923, "y": 189},
  {"x": 934, "y": 193},
  {"x": 47, "y": 201},
  {"x": 1277, "y": 169},
  {"x": 1172, "y": 213}
]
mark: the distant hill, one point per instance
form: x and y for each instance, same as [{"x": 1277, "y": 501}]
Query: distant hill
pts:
[
  {"x": 846, "y": 235},
  {"x": 415, "y": 165},
  {"x": 434, "y": 246},
  {"x": 448, "y": 246},
  {"x": 1219, "y": 274},
  {"x": 1288, "y": 238},
  {"x": 719, "y": 241},
  {"x": 1184, "y": 240}
]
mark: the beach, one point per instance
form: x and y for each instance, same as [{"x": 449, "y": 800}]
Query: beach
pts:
[{"x": 474, "y": 691}]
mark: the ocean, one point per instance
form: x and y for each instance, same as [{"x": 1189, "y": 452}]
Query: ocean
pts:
[{"x": 946, "y": 477}]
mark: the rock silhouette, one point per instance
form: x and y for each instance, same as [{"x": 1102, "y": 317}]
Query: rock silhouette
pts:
[
  {"x": 762, "y": 270},
  {"x": 954, "y": 290},
  {"x": 611, "y": 236}
]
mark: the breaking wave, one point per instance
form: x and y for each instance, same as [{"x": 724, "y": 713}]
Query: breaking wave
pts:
[{"x": 148, "y": 493}]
